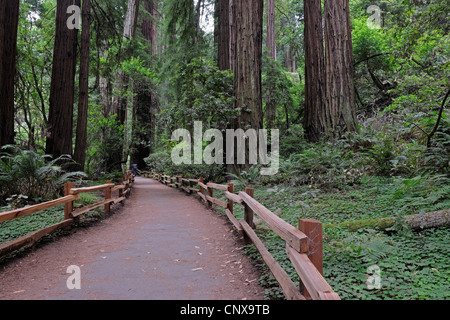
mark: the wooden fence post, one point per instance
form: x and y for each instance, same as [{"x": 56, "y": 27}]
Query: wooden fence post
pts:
[
  {"x": 210, "y": 193},
  {"x": 108, "y": 197},
  {"x": 201, "y": 188},
  {"x": 230, "y": 202},
  {"x": 68, "y": 207},
  {"x": 313, "y": 230},
  {"x": 248, "y": 213}
]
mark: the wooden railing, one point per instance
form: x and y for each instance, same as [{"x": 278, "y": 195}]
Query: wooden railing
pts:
[
  {"x": 70, "y": 215},
  {"x": 304, "y": 246}
]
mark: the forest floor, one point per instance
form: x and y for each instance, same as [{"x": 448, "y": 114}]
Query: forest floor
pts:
[{"x": 162, "y": 245}]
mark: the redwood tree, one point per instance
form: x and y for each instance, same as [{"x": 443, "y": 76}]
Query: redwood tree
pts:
[
  {"x": 248, "y": 21},
  {"x": 330, "y": 107},
  {"x": 145, "y": 105},
  {"x": 271, "y": 39},
  {"x": 224, "y": 39},
  {"x": 119, "y": 105},
  {"x": 9, "y": 17},
  {"x": 83, "y": 102},
  {"x": 62, "y": 88},
  {"x": 271, "y": 103},
  {"x": 314, "y": 71},
  {"x": 340, "y": 115}
]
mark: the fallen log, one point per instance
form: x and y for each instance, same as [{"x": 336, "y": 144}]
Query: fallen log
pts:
[{"x": 415, "y": 222}]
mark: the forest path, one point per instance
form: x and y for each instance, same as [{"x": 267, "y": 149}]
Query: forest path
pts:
[{"x": 162, "y": 245}]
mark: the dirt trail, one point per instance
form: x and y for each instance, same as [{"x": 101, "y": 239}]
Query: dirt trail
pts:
[{"x": 162, "y": 245}]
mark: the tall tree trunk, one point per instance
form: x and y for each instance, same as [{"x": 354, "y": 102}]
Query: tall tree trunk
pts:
[
  {"x": 314, "y": 71},
  {"x": 247, "y": 57},
  {"x": 119, "y": 104},
  {"x": 340, "y": 112},
  {"x": 62, "y": 88},
  {"x": 232, "y": 34},
  {"x": 271, "y": 103},
  {"x": 271, "y": 38},
  {"x": 144, "y": 111},
  {"x": 83, "y": 100},
  {"x": 223, "y": 57},
  {"x": 248, "y": 19},
  {"x": 104, "y": 83},
  {"x": 9, "y": 17}
]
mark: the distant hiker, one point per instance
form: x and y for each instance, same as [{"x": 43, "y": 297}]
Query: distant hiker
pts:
[{"x": 134, "y": 169}]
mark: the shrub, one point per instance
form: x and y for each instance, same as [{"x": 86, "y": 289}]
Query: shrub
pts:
[
  {"x": 161, "y": 162},
  {"x": 26, "y": 173}
]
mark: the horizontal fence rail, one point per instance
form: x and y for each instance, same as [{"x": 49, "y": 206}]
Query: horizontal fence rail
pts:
[
  {"x": 304, "y": 246},
  {"x": 70, "y": 215}
]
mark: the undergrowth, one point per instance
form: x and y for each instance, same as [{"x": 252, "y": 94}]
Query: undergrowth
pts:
[{"x": 414, "y": 265}]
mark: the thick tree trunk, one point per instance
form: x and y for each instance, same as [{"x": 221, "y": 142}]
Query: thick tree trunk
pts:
[
  {"x": 62, "y": 89},
  {"x": 9, "y": 17},
  {"x": 119, "y": 103},
  {"x": 223, "y": 50},
  {"x": 271, "y": 103},
  {"x": 271, "y": 38},
  {"x": 247, "y": 57},
  {"x": 340, "y": 112},
  {"x": 83, "y": 100},
  {"x": 248, "y": 19},
  {"x": 144, "y": 123},
  {"x": 232, "y": 34},
  {"x": 314, "y": 71}
]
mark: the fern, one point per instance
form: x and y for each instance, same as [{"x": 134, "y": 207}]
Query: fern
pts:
[{"x": 24, "y": 172}]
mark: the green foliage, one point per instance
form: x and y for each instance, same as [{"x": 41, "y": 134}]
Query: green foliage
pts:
[
  {"x": 161, "y": 162},
  {"x": 37, "y": 177},
  {"x": 104, "y": 141},
  {"x": 199, "y": 92},
  {"x": 412, "y": 267},
  {"x": 17, "y": 228},
  {"x": 246, "y": 178},
  {"x": 278, "y": 88},
  {"x": 437, "y": 157}
]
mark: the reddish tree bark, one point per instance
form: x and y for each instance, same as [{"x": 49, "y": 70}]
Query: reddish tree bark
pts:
[
  {"x": 83, "y": 100},
  {"x": 340, "y": 112},
  {"x": 62, "y": 89},
  {"x": 248, "y": 19},
  {"x": 9, "y": 17},
  {"x": 330, "y": 104},
  {"x": 271, "y": 103},
  {"x": 314, "y": 71},
  {"x": 145, "y": 106},
  {"x": 271, "y": 38},
  {"x": 224, "y": 39}
]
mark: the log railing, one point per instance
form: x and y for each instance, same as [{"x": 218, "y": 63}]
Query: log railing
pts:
[
  {"x": 303, "y": 245},
  {"x": 70, "y": 215}
]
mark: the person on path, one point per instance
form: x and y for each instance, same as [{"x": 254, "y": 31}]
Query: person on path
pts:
[{"x": 134, "y": 169}]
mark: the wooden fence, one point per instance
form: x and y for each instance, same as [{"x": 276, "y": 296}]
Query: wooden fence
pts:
[
  {"x": 70, "y": 215},
  {"x": 304, "y": 245}
]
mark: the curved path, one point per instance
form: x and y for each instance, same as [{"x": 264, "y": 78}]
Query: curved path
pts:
[{"x": 162, "y": 245}]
